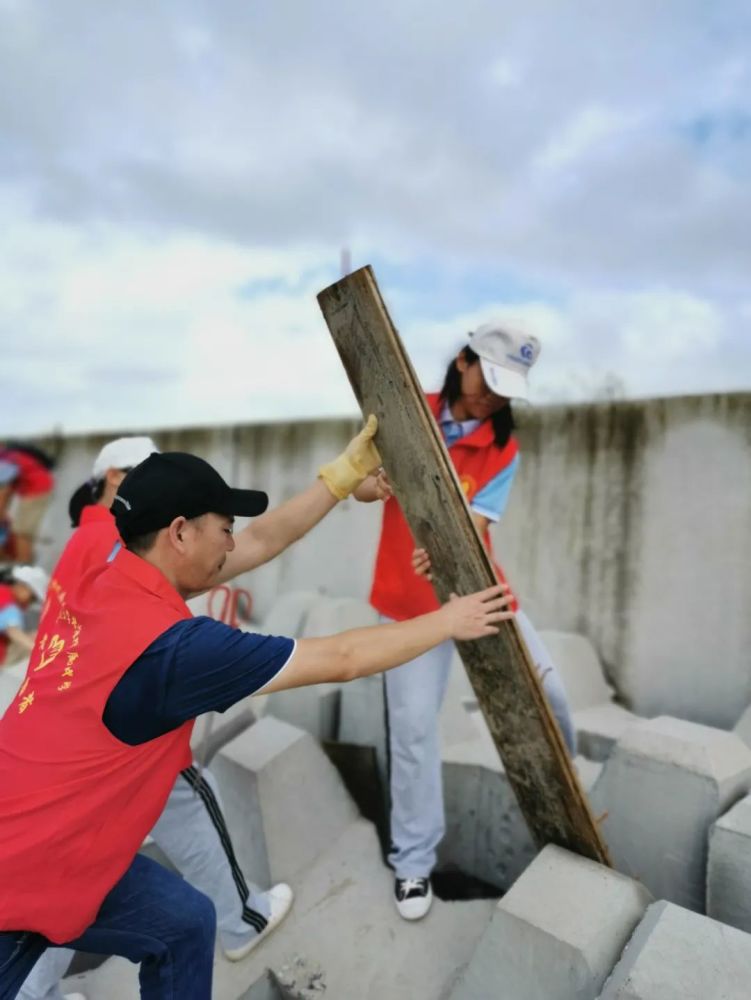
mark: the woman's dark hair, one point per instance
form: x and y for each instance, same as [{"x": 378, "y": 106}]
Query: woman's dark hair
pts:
[
  {"x": 86, "y": 494},
  {"x": 503, "y": 420}
]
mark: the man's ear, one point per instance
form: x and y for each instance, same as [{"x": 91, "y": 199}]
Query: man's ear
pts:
[{"x": 176, "y": 532}]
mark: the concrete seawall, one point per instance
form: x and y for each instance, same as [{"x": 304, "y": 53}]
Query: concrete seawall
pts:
[{"x": 629, "y": 522}]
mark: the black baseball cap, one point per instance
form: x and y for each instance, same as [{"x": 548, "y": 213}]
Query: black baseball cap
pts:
[{"x": 175, "y": 484}]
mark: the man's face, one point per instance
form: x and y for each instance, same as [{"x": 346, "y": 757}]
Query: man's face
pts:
[{"x": 208, "y": 539}]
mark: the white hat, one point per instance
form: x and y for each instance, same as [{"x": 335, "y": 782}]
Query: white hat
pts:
[
  {"x": 506, "y": 355},
  {"x": 34, "y": 577},
  {"x": 122, "y": 453}
]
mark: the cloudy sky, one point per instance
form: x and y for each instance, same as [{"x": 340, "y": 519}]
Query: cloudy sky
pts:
[{"x": 178, "y": 178}]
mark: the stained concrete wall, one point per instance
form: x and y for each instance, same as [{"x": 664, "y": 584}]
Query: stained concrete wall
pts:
[{"x": 629, "y": 523}]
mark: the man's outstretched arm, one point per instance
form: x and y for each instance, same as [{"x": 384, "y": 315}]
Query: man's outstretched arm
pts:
[
  {"x": 200, "y": 665},
  {"x": 277, "y": 529},
  {"x": 362, "y": 651}
]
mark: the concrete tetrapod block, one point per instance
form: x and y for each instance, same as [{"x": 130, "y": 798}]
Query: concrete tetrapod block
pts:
[
  {"x": 214, "y": 730},
  {"x": 675, "y": 954},
  {"x": 557, "y": 933},
  {"x": 345, "y": 927},
  {"x": 729, "y": 867},
  {"x": 742, "y": 728},
  {"x": 662, "y": 788},
  {"x": 314, "y": 709},
  {"x": 10, "y": 681},
  {"x": 486, "y": 834},
  {"x": 289, "y": 613},
  {"x": 599, "y": 728},
  {"x": 283, "y": 800},
  {"x": 317, "y": 708},
  {"x": 580, "y": 669}
]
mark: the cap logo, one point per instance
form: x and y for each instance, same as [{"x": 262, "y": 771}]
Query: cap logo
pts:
[
  {"x": 123, "y": 501},
  {"x": 526, "y": 356}
]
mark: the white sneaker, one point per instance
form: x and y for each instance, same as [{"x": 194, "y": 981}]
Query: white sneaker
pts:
[
  {"x": 414, "y": 897},
  {"x": 280, "y": 899}
]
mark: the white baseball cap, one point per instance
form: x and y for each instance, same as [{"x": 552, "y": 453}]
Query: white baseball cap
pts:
[
  {"x": 34, "y": 577},
  {"x": 506, "y": 355},
  {"x": 122, "y": 453}
]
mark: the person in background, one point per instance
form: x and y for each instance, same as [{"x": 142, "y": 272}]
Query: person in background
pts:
[
  {"x": 473, "y": 412},
  {"x": 22, "y": 587},
  {"x": 26, "y": 474}
]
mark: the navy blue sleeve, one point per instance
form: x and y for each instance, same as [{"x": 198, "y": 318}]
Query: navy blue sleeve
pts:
[{"x": 198, "y": 665}]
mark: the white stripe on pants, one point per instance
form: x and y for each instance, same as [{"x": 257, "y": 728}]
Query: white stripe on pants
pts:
[
  {"x": 414, "y": 694},
  {"x": 192, "y": 833}
]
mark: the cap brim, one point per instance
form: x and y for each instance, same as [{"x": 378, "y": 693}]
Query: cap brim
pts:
[
  {"x": 246, "y": 503},
  {"x": 504, "y": 382}
]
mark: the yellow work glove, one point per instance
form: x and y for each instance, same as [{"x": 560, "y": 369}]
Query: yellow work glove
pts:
[{"x": 358, "y": 460}]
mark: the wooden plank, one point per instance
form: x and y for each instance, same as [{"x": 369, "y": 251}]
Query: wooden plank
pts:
[{"x": 425, "y": 483}]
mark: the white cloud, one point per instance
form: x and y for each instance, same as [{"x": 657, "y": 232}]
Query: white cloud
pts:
[
  {"x": 589, "y": 128},
  {"x": 670, "y": 326},
  {"x": 178, "y": 179}
]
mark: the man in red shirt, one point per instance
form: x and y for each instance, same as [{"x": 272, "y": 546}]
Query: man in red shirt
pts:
[
  {"x": 191, "y": 831},
  {"x": 124, "y": 644}
]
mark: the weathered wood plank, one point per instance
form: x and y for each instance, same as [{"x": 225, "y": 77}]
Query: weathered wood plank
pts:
[{"x": 425, "y": 483}]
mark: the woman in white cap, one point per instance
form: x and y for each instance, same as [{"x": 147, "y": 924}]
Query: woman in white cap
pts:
[
  {"x": 473, "y": 412},
  {"x": 24, "y": 586}
]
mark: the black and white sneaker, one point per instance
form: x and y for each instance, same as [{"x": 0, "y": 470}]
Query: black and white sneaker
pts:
[{"x": 413, "y": 897}]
